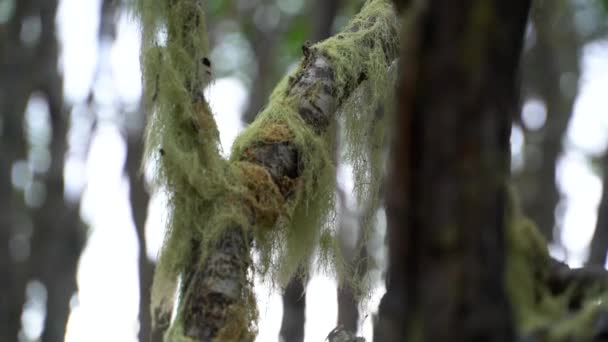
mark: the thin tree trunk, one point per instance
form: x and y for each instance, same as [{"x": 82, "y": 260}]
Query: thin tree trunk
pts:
[
  {"x": 599, "y": 243},
  {"x": 449, "y": 167},
  {"x": 59, "y": 235},
  {"x": 54, "y": 241},
  {"x": 15, "y": 227},
  {"x": 58, "y": 238},
  {"x": 139, "y": 199},
  {"x": 294, "y": 310},
  {"x": 551, "y": 70}
]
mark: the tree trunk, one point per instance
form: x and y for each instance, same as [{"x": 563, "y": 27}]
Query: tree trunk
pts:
[
  {"x": 58, "y": 239},
  {"x": 139, "y": 210},
  {"x": 294, "y": 310},
  {"x": 449, "y": 167},
  {"x": 15, "y": 227},
  {"x": 30, "y": 65},
  {"x": 551, "y": 70},
  {"x": 599, "y": 243}
]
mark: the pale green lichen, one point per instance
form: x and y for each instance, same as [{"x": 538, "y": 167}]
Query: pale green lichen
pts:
[
  {"x": 207, "y": 194},
  {"x": 537, "y": 310}
]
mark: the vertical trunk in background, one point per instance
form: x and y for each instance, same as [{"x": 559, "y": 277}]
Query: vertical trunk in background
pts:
[
  {"x": 449, "y": 167},
  {"x": 599, "y": 243},
  {"x": 58, "y": 238},
  {"x": 58, "y": 232},
  {"x": 551, "y": 70},
  {"x": 139, "y": 208},
  {"x": 29, "y": 64},
  {"x": 294, "y": 311},
  {"x": 15, "y": 228}
]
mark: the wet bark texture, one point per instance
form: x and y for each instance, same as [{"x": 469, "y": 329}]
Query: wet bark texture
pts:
[
  {"x": 551, "y": 69},
  {"x": 447, "y": 180}
]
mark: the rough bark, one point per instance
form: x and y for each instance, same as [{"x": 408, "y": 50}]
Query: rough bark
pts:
[
  {"x": 551, "y": 70},
  {"x": 449, "y": 165}
]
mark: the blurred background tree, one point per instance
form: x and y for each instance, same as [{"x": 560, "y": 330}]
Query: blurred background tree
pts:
[{"x": 47, "y": 135}]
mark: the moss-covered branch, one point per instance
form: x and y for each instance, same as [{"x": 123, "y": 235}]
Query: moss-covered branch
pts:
[{"x": 277, "y": 188}]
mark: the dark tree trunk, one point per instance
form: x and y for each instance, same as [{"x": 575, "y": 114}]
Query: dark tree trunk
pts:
[
  {"x": 58, "y": 240},
  {"x": 324, "y": 13},
  {"x": 139, "y": 208},
  {"x": 599, "y": 243},
  {"x": 551, "y": 70},
  {"x": 15, "y": 228},
  {"x": 58, "y": 235},
  {"x": 294, "y": 310},
  {"x": 450, "y": 163},
  {"x": 54, "y": 241}
]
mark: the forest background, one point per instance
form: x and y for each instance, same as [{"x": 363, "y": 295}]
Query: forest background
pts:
[{"x": 75, "y": 215}]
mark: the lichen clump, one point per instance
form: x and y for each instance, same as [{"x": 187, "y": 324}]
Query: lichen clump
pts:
[{"x": 539, "y": 310}]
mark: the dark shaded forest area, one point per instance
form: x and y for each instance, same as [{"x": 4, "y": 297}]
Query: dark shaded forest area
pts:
[{"x": 402, "y": 170}]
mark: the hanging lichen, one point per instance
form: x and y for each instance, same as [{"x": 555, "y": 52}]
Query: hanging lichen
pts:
[{"x": 278, "y": 185}]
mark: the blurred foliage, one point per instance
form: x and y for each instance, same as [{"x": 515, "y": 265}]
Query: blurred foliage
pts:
[{"x": 257, "y": 41}]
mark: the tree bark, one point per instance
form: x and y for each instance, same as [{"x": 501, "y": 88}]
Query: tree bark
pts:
[{"x": 449, "y": 166}]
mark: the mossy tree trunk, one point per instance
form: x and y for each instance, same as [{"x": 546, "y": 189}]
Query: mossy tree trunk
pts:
[{"x": 450, "y": 156}]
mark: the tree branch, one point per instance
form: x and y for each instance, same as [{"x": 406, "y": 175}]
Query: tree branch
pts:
[{"x": 275, "y": 190}]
